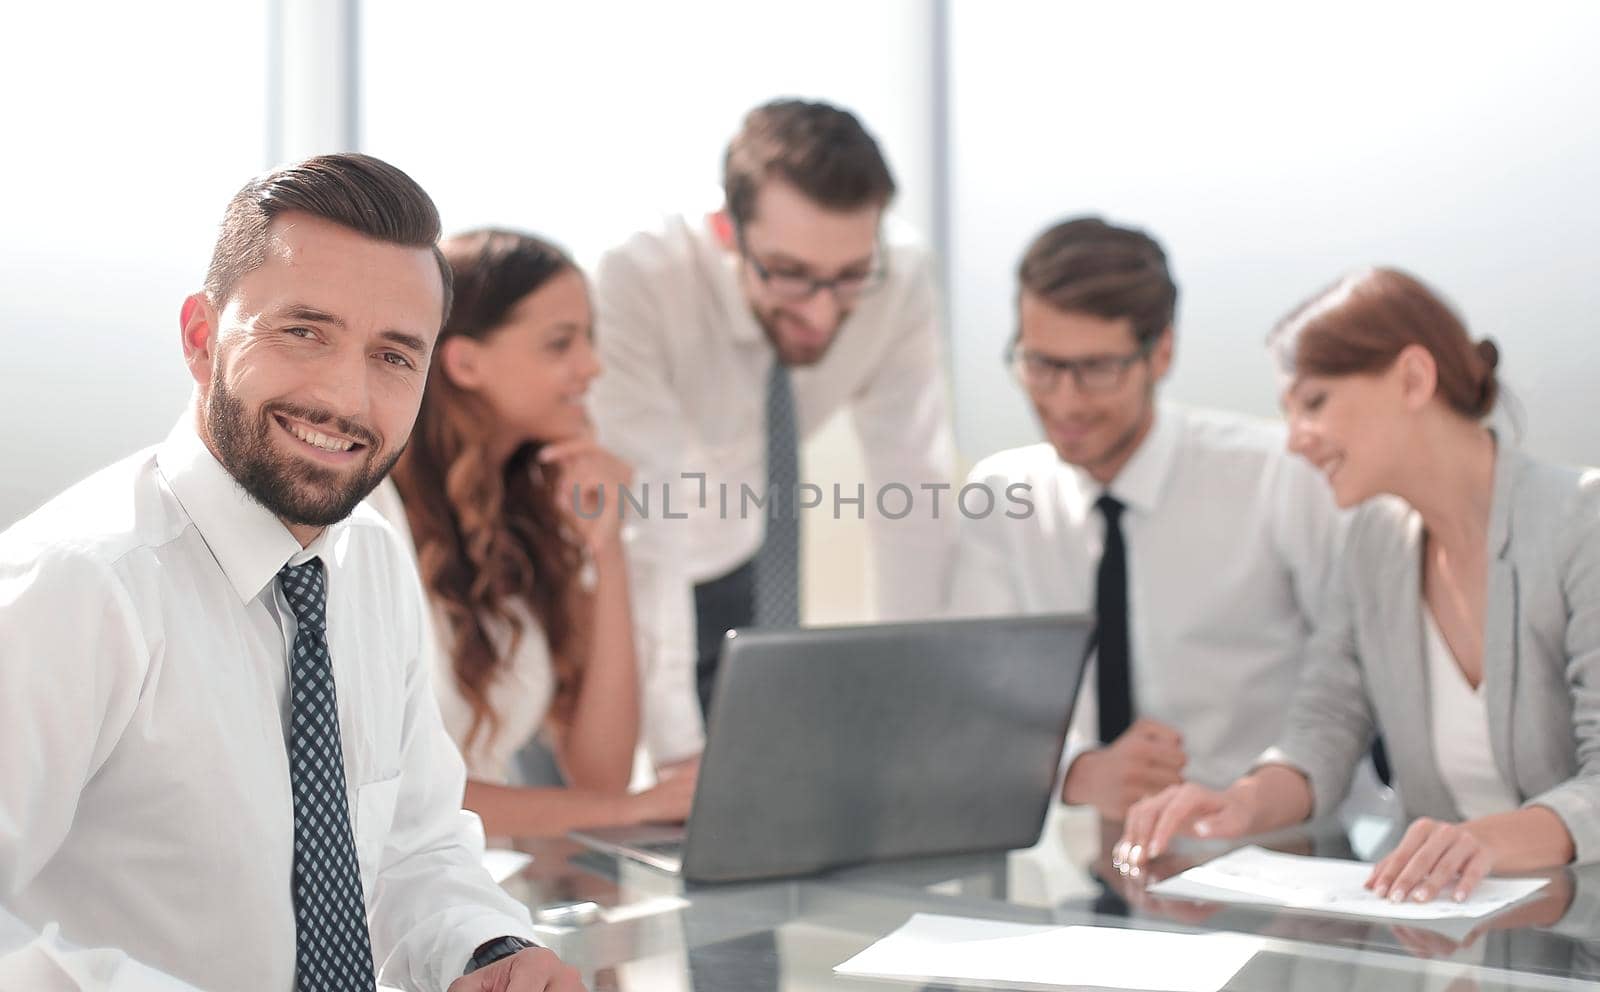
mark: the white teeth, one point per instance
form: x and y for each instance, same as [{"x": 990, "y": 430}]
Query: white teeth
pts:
[{"x": 318, "y": 439}]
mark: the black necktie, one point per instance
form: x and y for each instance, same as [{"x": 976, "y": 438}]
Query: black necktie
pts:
[
  {"x": 1111, "y": 609},
  {"x": 333, "y": 950},
  {"x": 778, "y": 560}
]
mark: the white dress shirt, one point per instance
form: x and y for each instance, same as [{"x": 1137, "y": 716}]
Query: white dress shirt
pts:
[
  {"x": 145, "y": 796},
  {"x": 1459, "y": 715},
  {"x": 1230, "y": 541},
  {"x": 684, "y": 391},
  {"x": 523, "y": 688}
]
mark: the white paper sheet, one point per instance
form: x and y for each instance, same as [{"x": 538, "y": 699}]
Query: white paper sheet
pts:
[
  {"x": 947, "y": 948},
  {"x": 502, "y": 864},
  {"x": 1327, "y": 885}
]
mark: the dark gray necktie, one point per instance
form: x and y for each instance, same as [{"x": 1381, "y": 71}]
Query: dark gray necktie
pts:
[
  {"x": 333, "y": 949},
  {"x": 778, "y": 560},
  {"x": 1113, "y": 652}
]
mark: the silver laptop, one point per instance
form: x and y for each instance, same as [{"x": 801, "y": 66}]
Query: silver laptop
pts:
[{"x": 843, "y": 745}]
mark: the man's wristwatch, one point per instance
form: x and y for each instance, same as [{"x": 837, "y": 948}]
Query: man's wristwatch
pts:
[{"x": 492, "y": 951}]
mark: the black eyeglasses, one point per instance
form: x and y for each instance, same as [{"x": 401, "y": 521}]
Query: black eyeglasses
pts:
[
  {"x": 796, "y": 287},
  {"x": 1095, "y": 374}
]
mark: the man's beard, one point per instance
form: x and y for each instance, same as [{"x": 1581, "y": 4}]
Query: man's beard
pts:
[
  {"x": 295, "y": 491},
  {"x": 768, "y": 322},
  {"x": 1121, "y": 446}
]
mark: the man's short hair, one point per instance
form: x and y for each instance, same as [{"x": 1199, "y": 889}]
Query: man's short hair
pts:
[
  {"x": 821, "y": 150},
  {"x": 359, "y": 192},
  {"x": 1085, "y": 265}
]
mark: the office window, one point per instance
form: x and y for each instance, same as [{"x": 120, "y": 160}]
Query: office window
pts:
[
  {"x": 582, "y": 121},
  {"x": 1271, "y": 147},
  {"x": 127, "y": 127}
]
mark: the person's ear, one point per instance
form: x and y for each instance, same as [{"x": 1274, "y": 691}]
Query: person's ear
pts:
[
  {"x": 1419, "y": 376},
  {"x": 722, "y": 228},
  {"x": 461, "y": 359},
  {"x": 197, "y": 327},
  {"x": 1161, "y": 355}
]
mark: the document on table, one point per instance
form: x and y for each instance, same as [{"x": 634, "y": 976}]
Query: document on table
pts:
[
  {"x": 1327, "y": 885},
  {"x": 947, "y": 948}
]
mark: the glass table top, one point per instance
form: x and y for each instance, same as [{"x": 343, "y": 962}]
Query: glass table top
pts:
[{"x": 630, "y": 927}]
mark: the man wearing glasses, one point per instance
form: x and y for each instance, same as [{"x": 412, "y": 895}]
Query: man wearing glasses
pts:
[
  {"x": 729, "y": 338},
  {"x": 1200, "y": 543}
]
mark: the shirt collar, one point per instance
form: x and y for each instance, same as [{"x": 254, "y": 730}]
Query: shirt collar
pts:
[
  {"x": 247, "y": 541},
  {"x": 1142, "y": 480},
  {"x": 723, "y": 268}
]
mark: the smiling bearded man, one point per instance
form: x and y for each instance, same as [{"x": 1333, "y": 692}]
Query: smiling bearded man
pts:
[{"x": 236, "y": 776}]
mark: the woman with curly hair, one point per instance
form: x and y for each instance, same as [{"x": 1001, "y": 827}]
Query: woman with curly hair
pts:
[{"x": 513, "y": 511}]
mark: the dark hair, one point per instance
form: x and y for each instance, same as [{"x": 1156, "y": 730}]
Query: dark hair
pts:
[
  {"x": 1085, "y": 265},
  {"x": 1361, "y": 323},
  {"x": 488, "y": 533},
  {"x": 365, "y": 194},
  {"x": 820, "y": 149}
]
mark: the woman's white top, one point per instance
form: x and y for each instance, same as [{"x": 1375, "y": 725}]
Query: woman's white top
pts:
[
  {"x": 520, "y": 691},
  {"x": 1460, "y": 719}
]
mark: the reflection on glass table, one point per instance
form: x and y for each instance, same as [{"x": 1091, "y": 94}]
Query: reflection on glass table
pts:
[{"x": 631, "y": 928}]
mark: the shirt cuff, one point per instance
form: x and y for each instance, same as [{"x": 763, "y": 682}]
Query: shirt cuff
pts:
[
  {"x": 1321, "y": 802},
  {"x": 1573, "y": 802},
  {"x": 495, "y": 950},
  {"x": 1073, "y": 751},
  {"x": 474, "y": 934}
]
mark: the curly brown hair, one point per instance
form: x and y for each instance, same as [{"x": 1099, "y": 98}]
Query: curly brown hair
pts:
[{"x": 486, "y": 534}]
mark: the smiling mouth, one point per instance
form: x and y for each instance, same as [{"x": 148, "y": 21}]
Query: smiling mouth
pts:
[
  {"x": 1073, "y": 432},
  {"x": 310, "y": 436},
  {"x": 801, "y": 329},
  {"x": 1331, "y": 467}
]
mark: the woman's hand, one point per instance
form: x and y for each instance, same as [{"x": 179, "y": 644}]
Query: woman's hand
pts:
[
  {"x": 1546, "y": 910},
  {"x": 588, "y": 489},
  {"x": 1132, "y": 885},
  {"x": 668, "y": 801},
  {"x": 1186, "y": 809},
  {"x": 1433, "y": 858}
]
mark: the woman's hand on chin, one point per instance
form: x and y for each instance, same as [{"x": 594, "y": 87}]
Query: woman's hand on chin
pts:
[{"x": 588, "y": 488}]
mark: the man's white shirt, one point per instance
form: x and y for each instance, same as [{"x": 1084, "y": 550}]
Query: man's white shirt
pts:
[
  {"x": 145, "y": 795},
  {"x": 1230, "y": 542},
  {"x": 683, "y": 391}
]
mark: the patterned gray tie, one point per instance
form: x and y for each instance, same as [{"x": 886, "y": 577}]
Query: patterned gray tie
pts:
[
  {"x": 778, "y": 561},
  {"x": 333, "y": 949}
]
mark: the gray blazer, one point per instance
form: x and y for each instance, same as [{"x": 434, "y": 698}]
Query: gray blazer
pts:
[{"x": 1366, "y": 666}]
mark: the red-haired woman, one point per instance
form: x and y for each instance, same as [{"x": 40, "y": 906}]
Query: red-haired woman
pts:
[
  {"x": 530, "y": 600},
  {"x": 1465, "y": 623}
]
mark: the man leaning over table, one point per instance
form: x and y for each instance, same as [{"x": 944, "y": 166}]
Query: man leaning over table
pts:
[{"x": 731, "y": 337}]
